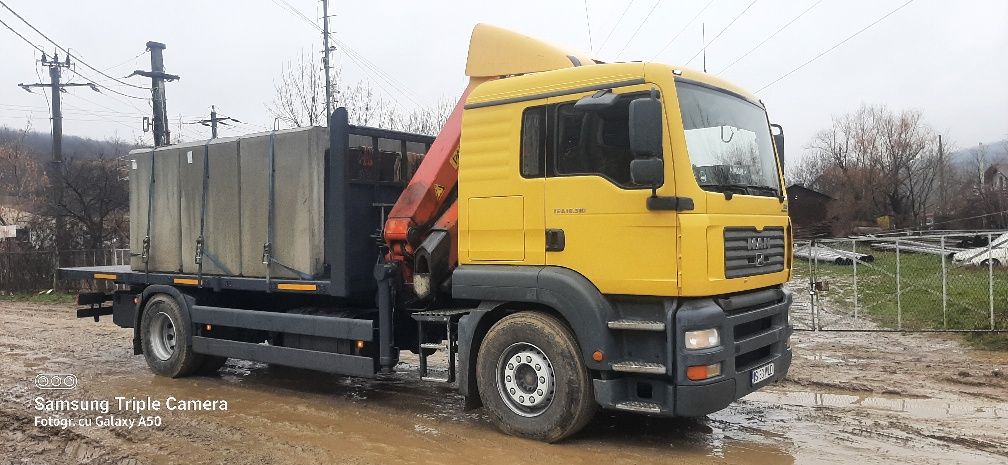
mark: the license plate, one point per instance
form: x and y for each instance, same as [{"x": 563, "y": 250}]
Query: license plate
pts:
[{"x": 762, "y": 373}]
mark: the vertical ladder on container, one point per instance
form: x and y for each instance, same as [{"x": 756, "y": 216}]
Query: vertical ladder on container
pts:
[{"x": 448, "y": 318}]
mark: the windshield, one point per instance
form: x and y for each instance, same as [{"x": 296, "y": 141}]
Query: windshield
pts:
[{"x": 728, "y": 139}]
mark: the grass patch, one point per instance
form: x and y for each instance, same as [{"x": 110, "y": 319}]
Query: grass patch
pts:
[
  {"x": 53, "y": 298},
  {"x": 920, "y": 302}
]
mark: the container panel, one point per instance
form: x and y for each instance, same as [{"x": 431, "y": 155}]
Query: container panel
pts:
[
  {"x": 297, "y": 242},
  {"x": 221, "y": 221},
  {"x": 165, "y": 249}
]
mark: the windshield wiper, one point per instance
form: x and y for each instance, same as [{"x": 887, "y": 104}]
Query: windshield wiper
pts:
[{"x": 746, "y": 189}]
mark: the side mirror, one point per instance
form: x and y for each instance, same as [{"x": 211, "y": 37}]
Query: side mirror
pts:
[
  {"x": 646, "y": 128},
  {"x": 778, "y": 140},
  {"x": 647, "y": 171}
]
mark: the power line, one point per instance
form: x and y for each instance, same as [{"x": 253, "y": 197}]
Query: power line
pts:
[
  {"x": 673, "y": 39},
  {"x": 127, "y": 61},
  {"x": 771, "y": 36},
  {"x": 21, "y": 36},
  {"x": 81, "y": 61},
  {"x": 620, "y": 19},
  {"x": 821, "y": 54},
  {"x": 704, "y": 47},
  {"x": 58, "y": 46},
  {"x": 639, "y": 26},
  {"x": 588, "y": 23},
  {"x": 361, "y": 61}
]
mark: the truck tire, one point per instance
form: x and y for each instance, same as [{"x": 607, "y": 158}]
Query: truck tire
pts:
[
  {"x": 164, "y": 337},
  {"x": 532, "y": 379}
]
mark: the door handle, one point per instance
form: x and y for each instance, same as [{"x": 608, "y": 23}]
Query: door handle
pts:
[{"x": 554, "y": 240}]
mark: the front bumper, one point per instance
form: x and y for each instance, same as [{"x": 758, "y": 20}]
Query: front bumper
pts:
[{"x": 754, "y": 332}]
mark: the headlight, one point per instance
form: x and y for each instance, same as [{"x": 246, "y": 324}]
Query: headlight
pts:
[{"x": 702, "y": 339}]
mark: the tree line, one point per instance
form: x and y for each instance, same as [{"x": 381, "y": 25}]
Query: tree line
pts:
[{"x": 878, "y": 162}]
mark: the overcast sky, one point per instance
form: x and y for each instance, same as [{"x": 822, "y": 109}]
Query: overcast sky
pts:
[{"x": 946, "y": 59}]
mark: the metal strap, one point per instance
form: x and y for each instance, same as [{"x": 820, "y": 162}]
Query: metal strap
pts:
[
  {"x": 145, "y": 254},
  {"x": 267, "y": 258},
  {"x": 201, "y": 240}
]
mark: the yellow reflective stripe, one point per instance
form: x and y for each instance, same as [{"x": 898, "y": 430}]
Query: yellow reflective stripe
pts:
[
  {"x": 104, "y": 276},
  {"x": 296, "y": 287},
  {"x": 189, "y": 281}
]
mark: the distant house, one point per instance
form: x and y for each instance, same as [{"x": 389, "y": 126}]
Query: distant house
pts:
[
  {"x": 995, "y": 178},
  {"x": 809, "y": 211}
]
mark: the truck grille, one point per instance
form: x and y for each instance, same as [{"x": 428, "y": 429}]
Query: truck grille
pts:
[
  {"x": 758, "y": 324},
  {"x": 749, "y": 252}
]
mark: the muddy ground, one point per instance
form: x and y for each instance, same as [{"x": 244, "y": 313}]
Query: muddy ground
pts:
[{"x": 850, "y": 398}]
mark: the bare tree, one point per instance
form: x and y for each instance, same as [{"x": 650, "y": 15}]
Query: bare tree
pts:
[
  {"x": 299, "y": 97},
  {"x": 300, "y": 101},
  {"x": 877, "y": 162}
]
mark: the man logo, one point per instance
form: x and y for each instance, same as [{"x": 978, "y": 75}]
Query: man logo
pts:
[
  {"x": 758, "y": 243},
  {"x": 55, "y": 381},
  {"x": 760, "y": 260}
]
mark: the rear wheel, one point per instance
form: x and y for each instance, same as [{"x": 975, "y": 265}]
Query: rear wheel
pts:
[
  {"x": 164, "y": 337},
  {"x": 532, "y": 379}
]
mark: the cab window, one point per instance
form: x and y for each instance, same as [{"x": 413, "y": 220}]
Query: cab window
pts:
[{"x": 594, "y": 143}]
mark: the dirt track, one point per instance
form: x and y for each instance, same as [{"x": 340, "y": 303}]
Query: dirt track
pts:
[{"x": 850, "y": 398}]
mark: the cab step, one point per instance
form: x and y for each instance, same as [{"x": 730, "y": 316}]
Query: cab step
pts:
[
  {"x": 639, "y": 406},
  {"x": 637, "y": 325},
  {"x": 448, "y": 318},
  {"x": 648, "y": 368}
]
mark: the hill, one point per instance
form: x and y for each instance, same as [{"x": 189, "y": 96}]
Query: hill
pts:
[{"x": 39, "y": 145}]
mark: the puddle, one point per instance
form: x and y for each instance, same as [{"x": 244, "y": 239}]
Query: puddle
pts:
[{"x": 918, "y": 408}]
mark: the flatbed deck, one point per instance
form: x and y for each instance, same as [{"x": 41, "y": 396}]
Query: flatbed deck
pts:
[{"x": 122, "y": 274}]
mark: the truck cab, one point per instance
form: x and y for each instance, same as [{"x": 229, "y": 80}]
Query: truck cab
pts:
[{"x": 643, "y": 205}]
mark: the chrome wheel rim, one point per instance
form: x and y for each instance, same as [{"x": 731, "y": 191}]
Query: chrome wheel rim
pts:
[
  {"x": 525, "y": 379},
  {"x": 162, "y": 336}
]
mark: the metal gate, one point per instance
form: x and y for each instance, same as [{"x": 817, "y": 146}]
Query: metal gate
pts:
[{"x": 948, "y": 282}]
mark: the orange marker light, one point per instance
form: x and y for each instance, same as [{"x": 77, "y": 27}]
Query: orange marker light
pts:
[
  {"x": 360, "y": 344},
  {"x": 702, "y": 372},
  {"x": 597, "y": 356}
]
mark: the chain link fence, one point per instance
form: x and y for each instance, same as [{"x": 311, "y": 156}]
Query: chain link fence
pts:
[
  {"x": 24, "y": 272},
  {"x": 954, "y": 282}
]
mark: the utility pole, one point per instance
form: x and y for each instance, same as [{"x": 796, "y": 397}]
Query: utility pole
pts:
[
  {"x": 157, "y": 75},
  {"x": 941, "y": 176},
  {"x": 55, "y": 171},
  {"x": 215, "y": 120},
  {"x": 325, "y": 58}
]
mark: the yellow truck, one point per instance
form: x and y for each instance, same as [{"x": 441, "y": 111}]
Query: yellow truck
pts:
[{"x": 579, "y": 235}]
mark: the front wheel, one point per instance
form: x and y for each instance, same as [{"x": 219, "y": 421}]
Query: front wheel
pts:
[
  {"x": 532, "y": 379},
  {"x": 164, "y": 337}
]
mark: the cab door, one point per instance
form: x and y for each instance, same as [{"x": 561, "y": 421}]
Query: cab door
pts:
[
  {"x": 596, "y": 219},
  {"x": 501, "y": 185}
]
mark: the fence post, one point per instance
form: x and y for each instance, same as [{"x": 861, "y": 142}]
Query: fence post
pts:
[
  {"x": 854, "y": 250},
  {"x": 813, "y": 267},
  {"x": 55, "y": 270},
  {"x": 990, "y": 277},
  {"x": 944, "y": 286},
  {"x": 899, "y": 291}
]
